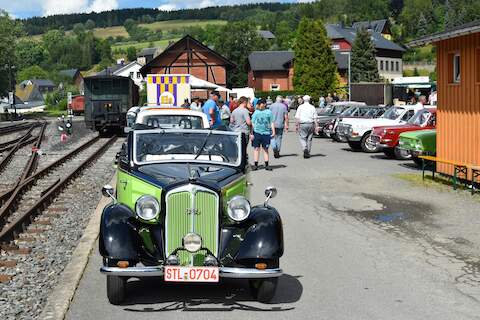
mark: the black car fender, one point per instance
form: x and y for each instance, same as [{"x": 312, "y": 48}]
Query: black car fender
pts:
[
  {"x": 118, "y": 240},
  {"x": 263, "y": 238}
]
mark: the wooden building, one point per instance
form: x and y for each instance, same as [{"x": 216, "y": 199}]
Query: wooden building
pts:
[
  {"x": 189, "y": 56},
  {"x": 458, "y": 92},
  {"x": 271, "y": 70}
]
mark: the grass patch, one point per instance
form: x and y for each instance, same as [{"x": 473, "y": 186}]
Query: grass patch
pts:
[
  {"x": 180, "y": 24},
  {"x": 110, "y": 32},
  {"x": 440, "y": 182},
  {"x": 162, "y": 44}
]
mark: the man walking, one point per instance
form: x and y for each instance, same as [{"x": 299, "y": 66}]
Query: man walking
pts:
[
  {"x": 240, "y": 121},
  {"x": 211, "y": 109},
  {"x": 280, "y": 120},
  {"x": 306, "y": 124}
]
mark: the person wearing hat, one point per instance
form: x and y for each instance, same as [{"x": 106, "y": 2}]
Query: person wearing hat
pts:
[
  {"x": 263, "y": 132},
  {"x": 306, "y": 124},
  {"x": 211, "y": 109}
]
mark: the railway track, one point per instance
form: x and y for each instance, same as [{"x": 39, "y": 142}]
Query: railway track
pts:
[
  {"x": 23, "y": 203},
  {"x": 17, "y": 127}
]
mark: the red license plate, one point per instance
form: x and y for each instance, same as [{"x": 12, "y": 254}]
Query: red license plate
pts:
[{"x": 191, "y": 274}]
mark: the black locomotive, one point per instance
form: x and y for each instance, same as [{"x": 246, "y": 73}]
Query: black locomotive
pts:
[{"x": 107, "y": 100}]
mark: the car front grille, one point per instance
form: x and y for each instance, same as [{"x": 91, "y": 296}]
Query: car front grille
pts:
[{"x": 191, "y": 208}]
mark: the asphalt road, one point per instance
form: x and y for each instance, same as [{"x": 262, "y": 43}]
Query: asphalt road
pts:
[{"x": 360, "y": 244}]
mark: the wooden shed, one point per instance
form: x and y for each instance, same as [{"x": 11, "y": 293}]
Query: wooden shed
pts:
[
  {"x": 458, "y": 89},
  {"x": 190, "y": 56}
]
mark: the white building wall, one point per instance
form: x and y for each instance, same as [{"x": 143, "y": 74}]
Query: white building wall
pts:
[
  {"x": 389, "y": 68},
  {"x": 132, "y": 71}
]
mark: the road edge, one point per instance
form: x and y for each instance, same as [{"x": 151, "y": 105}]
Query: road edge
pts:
[{"x": 59, "y": 300}]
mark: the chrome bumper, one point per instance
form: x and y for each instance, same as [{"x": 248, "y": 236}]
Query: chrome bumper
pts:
[{"x": 225, "y": 272}]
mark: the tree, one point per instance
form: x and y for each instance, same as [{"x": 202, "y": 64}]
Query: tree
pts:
[
  {"x": 33, "y": 72},
  {"x": 236, "y": 41},
  {"x": 78, "y": 28},
  {"x": 129, "y": 24},
  {"x": 367, "y": 9},
  {"x": 89, "y": 24},
  {"x": 131, "y": 53},
  {"x": 29, "y": 53},
  {"x": 284, "y": 35},
  {"x": 10, "y": 30},
  {"x": 315, "y": 70},
  {"x": 363, "y": 63},
  {"x": 422, "y": 25}
]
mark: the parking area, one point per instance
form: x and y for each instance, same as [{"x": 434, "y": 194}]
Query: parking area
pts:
[{"x": 358, "y": 238}]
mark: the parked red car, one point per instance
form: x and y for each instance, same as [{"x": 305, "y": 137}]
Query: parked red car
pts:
[{"x": 387, "y": 137}]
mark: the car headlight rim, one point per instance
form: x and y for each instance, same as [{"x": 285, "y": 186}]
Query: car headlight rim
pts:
[
  {"x": 147, "y": 208},
  {"x": 238, "y": 208}
]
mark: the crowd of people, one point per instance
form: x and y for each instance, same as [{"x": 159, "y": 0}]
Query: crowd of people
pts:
[{"x": 261, "y": 121}]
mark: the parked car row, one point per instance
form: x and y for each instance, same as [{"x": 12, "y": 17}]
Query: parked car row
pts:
[{"x": 400, "y": 132}]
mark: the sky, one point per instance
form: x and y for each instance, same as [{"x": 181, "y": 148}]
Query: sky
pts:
[{"x": 29, "y": 8}]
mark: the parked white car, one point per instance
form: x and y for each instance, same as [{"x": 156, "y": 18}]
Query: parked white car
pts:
[
  {"x": 356, "y": 131},
  {"x": 170, "y": 118}
]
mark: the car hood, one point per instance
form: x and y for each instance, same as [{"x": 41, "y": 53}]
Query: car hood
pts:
[
  {"x": 418, "y": 134},
  {"x": 397, "y": 129},
  {"x": 172, "y": 173},
  {"x": 368, "y": 122}
]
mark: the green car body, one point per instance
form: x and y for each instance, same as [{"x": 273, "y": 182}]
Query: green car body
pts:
[
  {"x": 418, "y": 143},
  {"x": 172, "y": 184}
]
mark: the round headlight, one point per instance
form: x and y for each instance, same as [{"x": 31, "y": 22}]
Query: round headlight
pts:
[
  {"x": 147, "y": 208},
  {"x": 238, "y": 208},
  {"x": 192, "y": 242}
]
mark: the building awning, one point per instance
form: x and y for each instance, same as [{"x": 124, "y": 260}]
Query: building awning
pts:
[{"x": 200, "y": 84}]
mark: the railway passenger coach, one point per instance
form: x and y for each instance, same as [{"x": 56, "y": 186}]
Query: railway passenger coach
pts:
[{"x": 107, "y": 100}]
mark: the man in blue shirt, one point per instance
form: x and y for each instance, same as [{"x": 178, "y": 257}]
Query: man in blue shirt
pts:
[{"x": 210, "y": 108}]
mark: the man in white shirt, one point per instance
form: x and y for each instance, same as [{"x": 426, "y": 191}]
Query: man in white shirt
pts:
[{"x": 306, "y": 119}]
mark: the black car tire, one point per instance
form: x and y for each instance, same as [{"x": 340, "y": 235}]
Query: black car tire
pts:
[
  {"x": 263, "y": 290},
  {"x": 336, "y": 138},
  {"x": 364, "y": 145},
  {"x": 355, "y": 145},
  {"x": 116, "y": 289},
  {"x": 389, "y": 153}
]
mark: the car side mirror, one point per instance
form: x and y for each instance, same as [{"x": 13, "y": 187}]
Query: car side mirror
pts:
[
  {"x": 270, "y": 192},
  {"x": 108, "y": 191}
]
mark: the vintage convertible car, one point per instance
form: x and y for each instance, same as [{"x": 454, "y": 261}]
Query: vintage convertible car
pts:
[
  {"x": 386, "y": 138},
  {"x": 418, "y": 143},
  {"x": 167, "y": 118},
  {"x": 181, "y": 212}
]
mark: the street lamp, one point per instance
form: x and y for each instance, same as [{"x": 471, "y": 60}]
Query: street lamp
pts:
[
  {"x": 11, "y": 84},
  {"x": 349, "y": 53}
]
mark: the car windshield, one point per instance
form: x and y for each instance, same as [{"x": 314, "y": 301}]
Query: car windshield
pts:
[
  {"x": 158, "y": 146},
  {"x": 420, "y": 118},
  {"x": 393, "y": 113},
  {"x": 173, "y": 121}
]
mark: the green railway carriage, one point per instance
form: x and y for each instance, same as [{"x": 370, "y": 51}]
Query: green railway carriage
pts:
[
  {"x": 107, "y": 100},
  {"x": 181, "y": 212}
]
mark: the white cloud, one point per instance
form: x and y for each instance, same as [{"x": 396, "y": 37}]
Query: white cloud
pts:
[
  {"x": 170, "y": 5},
  {"x": 103, "y": 5},
  {"x": 51, "y": 7}
]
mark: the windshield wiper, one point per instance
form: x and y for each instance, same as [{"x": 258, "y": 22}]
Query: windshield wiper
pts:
[{"x": 203, "y": 145}]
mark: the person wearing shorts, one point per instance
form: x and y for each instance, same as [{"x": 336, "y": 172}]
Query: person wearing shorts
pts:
[{"x": 263, "y": 131}]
